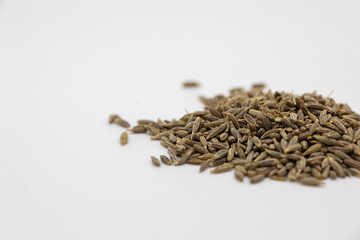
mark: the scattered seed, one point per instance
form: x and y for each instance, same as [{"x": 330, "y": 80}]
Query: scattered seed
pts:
[
  {"x": 190, "y": 84},
  {"x": 124, "y": 137},
  {"x": 155, "y": 161}
]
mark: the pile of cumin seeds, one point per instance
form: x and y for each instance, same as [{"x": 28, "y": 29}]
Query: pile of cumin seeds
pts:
[{"x": 260, "y": 134}]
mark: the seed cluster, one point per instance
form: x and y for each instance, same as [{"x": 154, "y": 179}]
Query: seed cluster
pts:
[{"x": 259, "y": 134}]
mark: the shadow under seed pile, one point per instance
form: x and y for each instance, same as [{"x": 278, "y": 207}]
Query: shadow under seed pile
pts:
[{"x": 260, "y": 134}]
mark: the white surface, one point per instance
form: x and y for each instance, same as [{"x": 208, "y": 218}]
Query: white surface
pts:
[{"x": 66, "y": 65}]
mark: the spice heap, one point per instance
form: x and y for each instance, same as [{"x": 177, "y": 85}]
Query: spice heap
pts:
[{"x": 260, "y": 134}]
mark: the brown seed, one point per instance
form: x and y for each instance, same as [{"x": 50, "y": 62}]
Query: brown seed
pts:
[
  {"x": 292, "y": 174},
  {"x": 231, "y": 153},
  {"x": 194, "y": 161},
  {"x": 222, "y": 168},
  {"x": 352, "y": 163},
  {"x": 112, "y": 118},
  {"x": 121, "y": 122},
  {"x": 216, "y": 131},
  {"x": 239, "y": 175},
  {"x": 310, "y": 181},
  {"x": 191, "y": 84},
  {"x": 332, "y": 174},
  {"x": 174, "y": 158},
  {"x": 203, "y": 141},
  {"x": 146, "y": 122},
  {"x": 312, "y": 149},
  {"x": 316, "y": 174},
  {"x": 195, "y": 126},
  {"x": 237, "y": 161},
  {"x": 185, "y": 156},
  {"x": 250, "y": 120},
  {"x": 206, "y": 156},
  {"x": 155, "y": 161},
  {"x": 217, "y": 162},
  {"x": 223, "y": 136},
  {"x": 257, "y": 178},
  {"x": 124, "y": 138},
  {"x": 260, "y": 157},
  {"x": 301, "y": 164},
  {"x": 355, "y": 172},
  {"x": 199, "y": 148},
  {"x": 292, "y": 148},
  {"x": 164, "y": 159},
  {"x": 267, "y": 162},
  {"x": 337, "y": 168},
  {"x": 138, "y": 129},
  {"x": 277, "y": 178},
  {"x": 328, "y": 141},
  {"x": 204, "y": 165},
  {"x": 220, "y": 154},
  {"x": 325, "y": 173}
]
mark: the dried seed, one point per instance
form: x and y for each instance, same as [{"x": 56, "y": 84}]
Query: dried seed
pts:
[
  {"x": 138, "y": 129},
  {"x": 216, "y": 131},
  {"x": 352, "y": 163},
  {"x": 239, "y": 175},
  {"x": 204, "y": 165},
  {"x": 155, "y": 161},
  {"x": 292, "y": 174},
  {"x": 190, "y": 84},
  {"x": 355, "y": 172},
  {"x": 328, "y": 141},
  {"x": 312, "y": 149},
  {"x": 231, "y": 153},
  {"x": 316, "y": 174},
  {"x": 325, "y": 173},
  {"x": 267, "y": 162},
  {"x": 124, "y": 138},
  {"x": 277, "y": 178},
  {"x": 220, "y": 154},
  {"x": 194, "y": 161},
  {"x": 206, "y": 156},
  {"x": 164, "y": 159},
  {"x": 310, "y": 181},
  {"x": 222, "y": 168},
  {"x": 203, "y": 141},
  {"x": 337, "y": 168},
  {"x": 257, "y": 178}
]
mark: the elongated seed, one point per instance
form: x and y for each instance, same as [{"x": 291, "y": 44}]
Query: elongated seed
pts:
[
  {"x": 155, "y": 161},
  {"x": 164, "y": 159},
  {"x": 222, "y": 168},
  {"x": 310, "y": 181},
  {"x": 257, "y": 178},
  {"x": 239, "y": 175}
]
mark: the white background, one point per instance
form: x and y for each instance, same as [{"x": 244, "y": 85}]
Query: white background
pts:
[{"x": 66, "y": 65}]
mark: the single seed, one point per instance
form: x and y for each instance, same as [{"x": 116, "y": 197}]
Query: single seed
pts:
[
  {"x": 222, "y": 168},
  {"x": 121, "y": 122},
  {"x": 257, "y": 178},
  {"x": 138, "y": 129},
  {"x": 310, "y": 181},
  {"x": 124, "y": 137},
  {"x": 191, "y": 84},
  {"x": 164, "y": 159},
  {"x": 155, "y": 161},
  {"x": 239, "y": 175}
]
